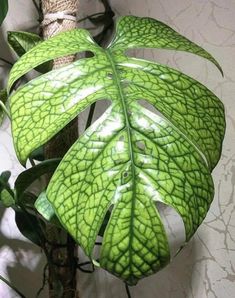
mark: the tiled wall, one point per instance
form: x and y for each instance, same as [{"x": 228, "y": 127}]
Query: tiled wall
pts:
[{"x": 206, "y": 267}]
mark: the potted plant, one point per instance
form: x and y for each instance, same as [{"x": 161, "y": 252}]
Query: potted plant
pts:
[{"x": 109, "y": 181}]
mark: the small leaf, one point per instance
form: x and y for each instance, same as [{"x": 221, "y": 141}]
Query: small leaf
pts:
[
  {"x": 6, "y": 198},
  {"x": 26, "y": 178},
  {"x": 3, "y": 99},
  {"x": 29, "y": 226},
  {"x": 45, "y": 208},
  {"x": 5, "y": 176},
  {"x": 3, "y": 10},
  {"x": 4, "y": 184},
  {"x": 21, "y": 42}
]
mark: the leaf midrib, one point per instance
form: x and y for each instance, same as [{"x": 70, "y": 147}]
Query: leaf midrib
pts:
[{"x": 117, "y": 82}]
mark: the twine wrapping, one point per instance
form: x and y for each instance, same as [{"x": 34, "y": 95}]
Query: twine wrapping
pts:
[{"x": 59, "y": 16}]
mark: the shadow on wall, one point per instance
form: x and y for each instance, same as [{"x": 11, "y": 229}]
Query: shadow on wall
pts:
[
  {"x": 175, "y": 281},
  {"x": 23, "y": 261}
]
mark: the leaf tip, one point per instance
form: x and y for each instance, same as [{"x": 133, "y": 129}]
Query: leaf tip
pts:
[
  {"x": 216, "y": 63},
  {"x": 21, "y": 157}
]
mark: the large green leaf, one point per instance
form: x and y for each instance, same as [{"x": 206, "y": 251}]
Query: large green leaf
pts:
[
  {"x": 130, "y": 158},
  {"x": 3, "y": 10}
]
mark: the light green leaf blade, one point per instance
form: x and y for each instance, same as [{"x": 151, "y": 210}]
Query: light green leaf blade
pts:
[
  {"x": 6, "y": 198},
  {"x": 182, "y": 100},
  {"x": 130, "y": 158},
  {"x": 44, "y": 207},
  {"x": 60, "y": 45},
  {"x": 74, "y": 81},
  {"x": 105, "y": 175},
  {"x": 135, "y": 32}
]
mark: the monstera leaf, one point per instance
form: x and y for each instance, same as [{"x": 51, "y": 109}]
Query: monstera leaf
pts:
[{"x": 130, "y": 158}]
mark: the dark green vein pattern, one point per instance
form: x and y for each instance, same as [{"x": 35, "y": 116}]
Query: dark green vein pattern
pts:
[{"x": 130, "y": 158}]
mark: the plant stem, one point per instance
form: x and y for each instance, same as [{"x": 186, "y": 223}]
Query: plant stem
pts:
[
  {"x": 12, "y": 287},
  {"x": 6, "y": 61},
  {"x": 90, "y": 16},
  {"x": 32, "y": 162},
  {"x": 37, "y": 6},
  {"x": 127, "y": 291},
  {"x": 43, "y": 282},
  {"x": 90, "y": 115}
]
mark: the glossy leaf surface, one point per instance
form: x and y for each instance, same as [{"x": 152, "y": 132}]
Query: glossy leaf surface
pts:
[
  {"x": 45, "y": 208},
  {"x": 130, "y": 158}
]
